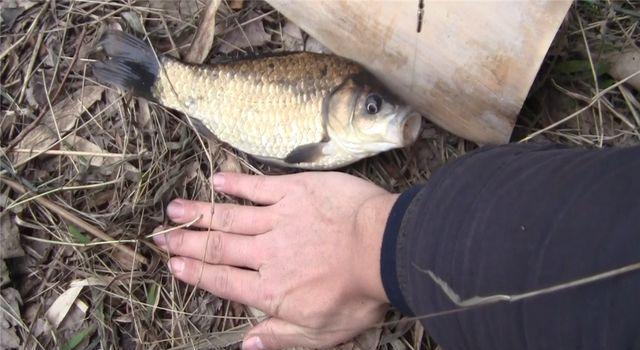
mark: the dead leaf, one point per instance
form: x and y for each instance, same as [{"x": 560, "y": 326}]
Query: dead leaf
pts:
[
  {"x": 144, "y": 114},
  {"x": 61, "y": 306},
  {"x": 625, "y": 64},
  {"x": 292, "y": 37},
  {"x": 77, "y": 143},
  {"x": 184, "y": 9},
  {"x": 204, "y": 36},
  {"x": 236, "y": 4},
  {"x": 9, "y": 238},
  {"x": 251, "y": 35},
  {"x": 133, "y": 20},
  {"x": 4, "y": 273},
  {"x": 230, "y": 164},
  {"x": 125, "y": 261},
  {"x": 36, "y": 94},
  {"x": 37, "y": 139},
  {"x": 9, "y": 318},
  {"x": 7, "y": 120},
  {"x": 313, "y": 45},
  {"x": 67, "y": 112},
  {"x": 10, "y": 10}
]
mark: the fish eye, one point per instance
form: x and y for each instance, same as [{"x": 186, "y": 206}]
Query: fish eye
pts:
[{"x": 373, "y": 103}]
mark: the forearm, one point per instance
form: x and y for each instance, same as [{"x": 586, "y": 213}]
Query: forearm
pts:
[{"x": 513, "y": 219}]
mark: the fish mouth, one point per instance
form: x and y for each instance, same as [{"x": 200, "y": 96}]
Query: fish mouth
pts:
[{"x": 405, "y": 128}]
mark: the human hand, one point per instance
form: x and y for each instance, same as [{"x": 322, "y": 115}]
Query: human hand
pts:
[{"x": 309, "y": 257}]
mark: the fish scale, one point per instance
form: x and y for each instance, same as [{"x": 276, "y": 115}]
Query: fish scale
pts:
[
  {"x": 302, "y": 110},
  {"x": 286, "y": 101}
]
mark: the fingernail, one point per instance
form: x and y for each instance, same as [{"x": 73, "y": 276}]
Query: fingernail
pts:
[
  {"x": 160, "y": 239},
  {"x": 217, "y": 181},
  {"x": 252, "y": 344},
  {"x": 176, "y": 265},
  {"x": 175, "y": 209}
]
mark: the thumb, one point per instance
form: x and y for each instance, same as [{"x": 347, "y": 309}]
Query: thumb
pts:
[{"x": 273, "y": 334}]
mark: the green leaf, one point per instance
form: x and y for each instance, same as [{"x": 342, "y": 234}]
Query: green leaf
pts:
[
  {"x": 578, "y": 66},
  {"x": 78, "y": 338},
  {"x": 152, "y": 298},
  {"x": 78, "y": 236}
]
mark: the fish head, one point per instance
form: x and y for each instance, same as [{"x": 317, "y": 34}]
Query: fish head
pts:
[{"x": 365, "y": 118}]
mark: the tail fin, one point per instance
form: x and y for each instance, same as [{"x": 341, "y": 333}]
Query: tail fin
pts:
[{"x": 130, "y": 64}]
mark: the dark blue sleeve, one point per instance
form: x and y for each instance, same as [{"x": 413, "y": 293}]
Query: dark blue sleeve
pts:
[{"x": 516, "y": 218}]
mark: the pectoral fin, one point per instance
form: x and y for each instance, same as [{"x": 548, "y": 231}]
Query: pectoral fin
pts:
[{"x": 308, "y": 153}]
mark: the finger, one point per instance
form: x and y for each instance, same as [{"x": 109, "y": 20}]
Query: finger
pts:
[
  {"x": 256, "y": 188},
  {"x": 224, "y": 281},
  {"x": 240, "y": 219},
  {"x": 275, "y": 333},
  {"x": 214, "y": 247}
]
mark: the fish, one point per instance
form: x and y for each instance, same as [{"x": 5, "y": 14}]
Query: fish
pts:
[{"x": 299, "y": 109}]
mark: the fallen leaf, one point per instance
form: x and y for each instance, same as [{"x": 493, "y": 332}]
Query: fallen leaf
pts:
[
  {"x": 63, "y": 303},
  {"x": 76, "y": 143},
  {"x": 64, "y": 117},
  {"x": 368, "y": 339},
  {"x": 184, "y": 9},
  {"x": 133, "y": 20},
  {"x": 66, "y": 113},
  {"x": 36, "y": 94},
  {"x": 251, "y": 35},
  {"x": 4, "y": 273},
  {"x": 204, "y": 36},
  {"x": 230, "y": 164},
  {"x": 125, "y": 261},
  {"x": 9, "y": 318},
  {"x": 9, "y": 238},
  {"x": 292, "y": 37},
  {"x": 10, "y": 10},
  {"x": 236, "y": 4},
  {"x": 37, "y": 139},
  {"x": 313, "y": 45},
  {"x": 625, "y": 64},
  {"x": 7, "y": 121},
  {"x": 144, "y": 114}
]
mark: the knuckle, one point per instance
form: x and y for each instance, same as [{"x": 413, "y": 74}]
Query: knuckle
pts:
[
  {"x": 272, "y": 335},
  {"x": 175, "y": 240},
  {"x": 221, "y": 281},
  {"x": 272, "y": 298},
  {"x": 227, "y": 218},
  {"x": 214, "y": 247},
  {"x": 258, "y": 186}
]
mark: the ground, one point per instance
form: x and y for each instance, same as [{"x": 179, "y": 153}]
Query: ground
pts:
[{"x": 62, "y": 287}]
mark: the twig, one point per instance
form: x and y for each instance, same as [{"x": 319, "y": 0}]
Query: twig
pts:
[
  {"x": 37, "y": 121},
  {"x": 204, "y": 36},
  {"x": 70, "y": 217}
]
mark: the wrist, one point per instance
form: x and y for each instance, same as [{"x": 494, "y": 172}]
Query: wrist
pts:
[{"x": 370, "y": 224}]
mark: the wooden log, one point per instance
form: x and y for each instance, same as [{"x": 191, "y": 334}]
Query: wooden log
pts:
[{"x": 470, "y": 67}]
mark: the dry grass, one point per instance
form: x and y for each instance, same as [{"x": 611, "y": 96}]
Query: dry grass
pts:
[{"x": 112, "y": 167}]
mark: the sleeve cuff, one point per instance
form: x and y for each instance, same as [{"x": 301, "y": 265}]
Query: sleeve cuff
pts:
[{"x": 388, "y": 266}]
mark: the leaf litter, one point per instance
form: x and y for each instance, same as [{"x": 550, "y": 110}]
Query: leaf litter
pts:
[{"x": 91, "y": 180}]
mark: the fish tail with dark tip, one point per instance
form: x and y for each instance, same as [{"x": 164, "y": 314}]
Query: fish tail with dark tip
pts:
[{"x": 131, "y": 65}]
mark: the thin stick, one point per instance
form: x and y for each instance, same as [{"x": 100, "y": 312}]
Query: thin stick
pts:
[
  {"x": 37, "y": 121},
  {"x": 70, "y": 217},
  {"x": 76, "y": 153}
]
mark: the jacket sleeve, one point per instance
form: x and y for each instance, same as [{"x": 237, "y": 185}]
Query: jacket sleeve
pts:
[{"x": 517, "y": 218}]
